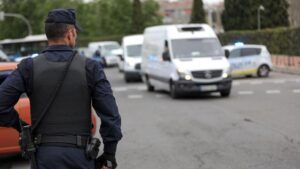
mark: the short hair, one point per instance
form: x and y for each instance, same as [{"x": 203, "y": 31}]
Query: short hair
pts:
[{"x": 56, "y": 30}]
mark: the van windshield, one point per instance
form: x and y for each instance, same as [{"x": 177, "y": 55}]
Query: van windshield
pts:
[
  {"x": 134, "y": 50},
  {"x": 195, "y": 48}
]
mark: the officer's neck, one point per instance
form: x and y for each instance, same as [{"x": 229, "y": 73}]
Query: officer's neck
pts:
[{"x": 52, "y": 42}]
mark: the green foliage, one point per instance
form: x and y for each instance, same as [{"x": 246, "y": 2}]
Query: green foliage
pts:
[
  {"x": 98, "y": 18},
  {"x": 198, "y": 14},
  {"x": 279, "y": 41},
  {"x": 242, "y": 14},
  {"x": 150, "y": 13},
  {"x": 137, "y": 17}
]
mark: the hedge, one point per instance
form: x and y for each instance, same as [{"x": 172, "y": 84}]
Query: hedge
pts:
[{"x": 278, "y": 41}]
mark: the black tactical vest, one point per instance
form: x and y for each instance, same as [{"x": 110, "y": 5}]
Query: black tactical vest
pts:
[{"x": 70, "y": 113}]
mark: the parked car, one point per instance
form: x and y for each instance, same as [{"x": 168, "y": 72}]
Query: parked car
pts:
[
  {"x": 248, "y": 60},
  {"x": 9, "y": 137},
  {"x": 185, "y": 58}
]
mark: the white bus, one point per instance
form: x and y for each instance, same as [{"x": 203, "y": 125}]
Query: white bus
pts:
[{"x": 18, "y": 49}]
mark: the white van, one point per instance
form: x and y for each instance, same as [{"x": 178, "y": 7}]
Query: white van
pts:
[
  {"x": 184, "y": 58},
  {"x": 106, "y": 49},
  {"x": 132, "y": 56}
]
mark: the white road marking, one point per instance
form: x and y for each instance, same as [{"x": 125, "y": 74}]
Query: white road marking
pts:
[
  {"x": 296, "y": 91},
  {"x": 273, "y": 91},
  {"x": 245, "y": 92},
  {"x": 236, "y": 83},
  {"x": 142, "y": 88},
  {"x": 135, "y": 96},
  {"x": 279, "y": 81},
  {"x": 256, "y": 82},
  {"x": 120, "y": 89}
]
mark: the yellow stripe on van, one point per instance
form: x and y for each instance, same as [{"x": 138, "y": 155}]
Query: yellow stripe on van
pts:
[{"x": 243, "y": 72}]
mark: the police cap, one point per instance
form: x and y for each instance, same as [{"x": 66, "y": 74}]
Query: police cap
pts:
[{"x": 60, "y": 15}]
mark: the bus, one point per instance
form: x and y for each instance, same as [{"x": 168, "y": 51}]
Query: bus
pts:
[{"x": 18, "y": 49}]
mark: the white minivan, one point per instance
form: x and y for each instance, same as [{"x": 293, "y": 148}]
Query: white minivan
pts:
[
  {"x": 184, "y": 58},
  {"x": 132, "y": 56}
]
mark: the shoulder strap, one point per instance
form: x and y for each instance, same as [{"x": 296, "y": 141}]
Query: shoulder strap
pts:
[{"x": 53, "y": 96}]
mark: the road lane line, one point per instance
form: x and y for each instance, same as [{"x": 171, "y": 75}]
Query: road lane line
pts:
[
  {"x": 120, "y": 89},
  {"x": 236, "y": 83},
  {"x": 135, "y": 96},
  {"x": 279, "y": 81},
  {"x": 273, "y": 91},
  {"x": 296, "y": 91},
  {"x": 256, "y": 82},
  {"x": 142, "y": 88},
  {"x": 245, "y": 92}
]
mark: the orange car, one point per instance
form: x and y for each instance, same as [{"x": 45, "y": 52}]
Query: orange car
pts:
[{"x": 8, "y": 136}]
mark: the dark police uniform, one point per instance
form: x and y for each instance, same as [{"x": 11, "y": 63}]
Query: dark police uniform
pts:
[{"x": 84, "y": 85}]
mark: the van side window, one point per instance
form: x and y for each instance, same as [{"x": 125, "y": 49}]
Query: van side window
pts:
[
  {"x": 235, "y": 53},
  {"x": 251, "y": 51}
]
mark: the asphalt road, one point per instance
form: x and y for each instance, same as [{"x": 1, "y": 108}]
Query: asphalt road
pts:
[{"x": 255, "y": 128}]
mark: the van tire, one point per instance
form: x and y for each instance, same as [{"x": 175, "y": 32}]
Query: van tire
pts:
[
  {"x": 173, "y": 91},
  {"x": 263, "y": 71},
  {"x": 225, "y": 93},
  {"x": 150, "y": 88}
]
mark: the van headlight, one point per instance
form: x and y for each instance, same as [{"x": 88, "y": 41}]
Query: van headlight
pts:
[
  {"x": 183, "y": 74},
  {"x": 226, "y": 73}
]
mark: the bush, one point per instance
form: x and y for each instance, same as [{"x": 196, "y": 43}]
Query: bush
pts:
[{"x": 278, "y": 41}]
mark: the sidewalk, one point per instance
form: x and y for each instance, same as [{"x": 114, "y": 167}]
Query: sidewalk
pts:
[{"x": 286, "y": 64}]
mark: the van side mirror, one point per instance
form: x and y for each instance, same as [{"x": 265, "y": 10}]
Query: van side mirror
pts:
[
  {"x": 166, "y": 56},
  {"x": 121, "y": 57},
  {"x": 227, "y": 53}
]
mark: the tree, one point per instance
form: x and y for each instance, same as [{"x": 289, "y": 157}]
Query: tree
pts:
[
  {"x": 151, "y": 16},
  {"x": 242, "y": 14},
  {"x": 137, "y": 17},
  {"x": 198, "y": 14}
]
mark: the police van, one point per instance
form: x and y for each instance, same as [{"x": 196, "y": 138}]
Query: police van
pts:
[
  {"x": 184, "y": 58},
  {"x": 132, "y": 56},
  {"x": 249, "y": 60}
]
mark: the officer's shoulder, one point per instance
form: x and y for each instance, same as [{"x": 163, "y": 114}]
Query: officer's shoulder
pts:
[{"x": 25, "y": 63}]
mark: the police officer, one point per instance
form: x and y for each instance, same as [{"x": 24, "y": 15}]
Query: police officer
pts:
[{"x": 66, "y": 126}]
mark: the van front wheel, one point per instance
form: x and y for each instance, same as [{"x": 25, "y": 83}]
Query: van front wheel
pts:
[
  {"x": 225, "y": 93},
  {"x": 173, "y": 91},
  {"x": 150, "y": 88}
]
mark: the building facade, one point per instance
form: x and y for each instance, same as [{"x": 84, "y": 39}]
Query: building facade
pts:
[{"x": 179, "y": 12}]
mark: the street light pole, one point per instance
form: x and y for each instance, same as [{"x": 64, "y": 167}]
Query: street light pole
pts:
[
  {"x": 260, "y": 8},
  {"x": 22, "y": 18}
]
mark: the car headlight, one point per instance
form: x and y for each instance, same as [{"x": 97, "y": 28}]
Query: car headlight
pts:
[{"x": 183, "y": 74}]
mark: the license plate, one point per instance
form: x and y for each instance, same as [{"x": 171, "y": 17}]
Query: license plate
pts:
[{"x": 208, "y": 88}]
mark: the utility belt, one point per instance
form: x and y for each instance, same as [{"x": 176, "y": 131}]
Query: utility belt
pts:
[
  {"x": 29, "y": 145},
  {"x": 74, "y": 141}
]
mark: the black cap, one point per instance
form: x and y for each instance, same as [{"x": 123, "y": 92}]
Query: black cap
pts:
[{"x": 61, "y": 15}]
